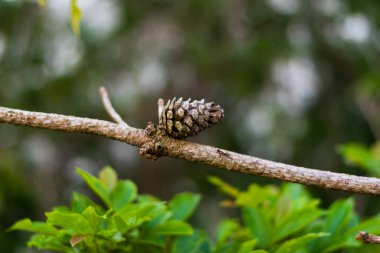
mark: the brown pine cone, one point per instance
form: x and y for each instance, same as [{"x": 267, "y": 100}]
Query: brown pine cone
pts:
[{"x": 181, "y": 119}]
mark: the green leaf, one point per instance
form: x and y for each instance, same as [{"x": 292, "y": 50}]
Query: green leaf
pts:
[
  {"x": 79, "y": 202},
  {"x": 256, "y": 195},
  {"x": 292, "y": 245},
  {"x": 337, "y": 215},
  {"x": 223, "y": 186},
  {"x": 360, "y": 155},
  {"x": 172, "y": 227},
  {"x": 96, "y": 186},
  {"x": 76, "y": 16},
  {"x": 371, "y": 225},
  {"x": 156, "y": 240},
  {"x": 94, "y": 220},
  {"x": 119, "y": 224},
  {"x": 292, "y": 223},
  {"x": 347, "y": 240},
  {"x": 73, "y": 222},
  {"x": 111, "y": 235},
  {"x": 338, "y": 219},
  {"x": 135, "y": 214},
  {"x": 225, "y": 229},
  {"x": 157, "y": 215},
  {"x": 35, "y": 227},
  {"x": 258, "y": 225},
  {"x": 49, "y": 243},
  {"x": 183, "y": 205},
  {"x": 247, "y": 246},
  {"x": 108, "y": 177},
  {"x": 195, "y": 243},
  {"x": 230, "y": 246},
  {"x": 259, "y": 251},
  {"x": 340, "y": 242},
  {"x": 124, "y": 193},
  {"x": 293, "y": 197}
]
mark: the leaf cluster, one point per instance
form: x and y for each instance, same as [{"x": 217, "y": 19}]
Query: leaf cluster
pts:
[
  {"x": 126, "y": 222},
  {"x": 273, "y": 219},
  {"x": 286, "y": 219}
]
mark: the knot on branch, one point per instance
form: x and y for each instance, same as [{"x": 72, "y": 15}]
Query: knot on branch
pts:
[{"x": 154, "y": 148}]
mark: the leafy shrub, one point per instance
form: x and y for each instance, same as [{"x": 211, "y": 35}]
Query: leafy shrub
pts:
[
  {"x": 286, "y": 219},
  {"x": 273, "y": 219},
  {"x": 129, "y": 223}
]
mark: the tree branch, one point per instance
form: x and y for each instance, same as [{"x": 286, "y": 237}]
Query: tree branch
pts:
[
  {"x": 152, "y": 145},
  {"x": 367, "y": 237}
]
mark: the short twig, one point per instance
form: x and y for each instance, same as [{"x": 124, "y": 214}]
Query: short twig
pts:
[
  {"x": 109, "y": 108},
  {"x": 367, "y": 237}
]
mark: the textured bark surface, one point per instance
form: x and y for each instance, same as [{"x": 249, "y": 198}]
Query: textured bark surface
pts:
[
  {"x": 153, "y": 145},
  {"x": 130, "y": 135}
]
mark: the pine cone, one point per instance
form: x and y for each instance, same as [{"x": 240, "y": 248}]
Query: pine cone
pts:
[{"x": 181, "y": 119}]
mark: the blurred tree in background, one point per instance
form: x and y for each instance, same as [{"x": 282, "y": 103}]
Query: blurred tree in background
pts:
[{"x": 296, "y": 79}]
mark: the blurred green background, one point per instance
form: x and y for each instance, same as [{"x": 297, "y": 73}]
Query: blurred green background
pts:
[{"x": 296, "y": 79}]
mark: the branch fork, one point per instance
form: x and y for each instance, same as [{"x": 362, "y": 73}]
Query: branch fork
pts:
[{"x": 151, "y": 149}]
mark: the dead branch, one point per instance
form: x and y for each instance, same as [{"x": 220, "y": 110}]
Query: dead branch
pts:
[{"x": 153, "y": 145}]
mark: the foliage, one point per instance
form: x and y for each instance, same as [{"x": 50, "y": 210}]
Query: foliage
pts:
[
  {"x": 366, "y": 158},
  {"x": 287, "y": 219},
  {"x": 274, "y": 219},
  {"x": 127, "y": 222}
]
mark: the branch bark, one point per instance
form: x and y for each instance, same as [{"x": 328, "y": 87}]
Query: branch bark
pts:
[
  {"x": 367, "y": 237},
  {"x": 153, "y": 145}
]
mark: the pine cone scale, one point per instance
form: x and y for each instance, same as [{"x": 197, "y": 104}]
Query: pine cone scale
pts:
[{"x": 179, "y": 114}]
